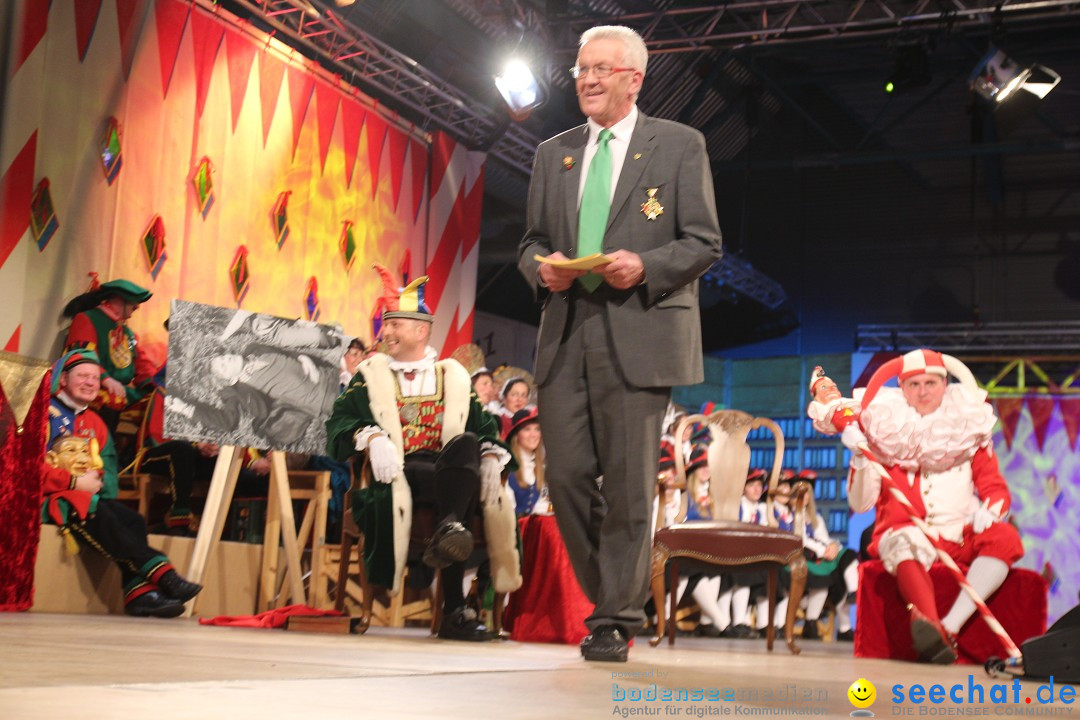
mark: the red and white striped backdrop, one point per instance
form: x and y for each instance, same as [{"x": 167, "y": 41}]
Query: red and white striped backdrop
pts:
[{"x": 186, "y": 83}]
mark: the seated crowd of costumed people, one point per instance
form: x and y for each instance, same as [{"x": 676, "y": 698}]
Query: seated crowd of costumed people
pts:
[{"x": 927, "y": 429}]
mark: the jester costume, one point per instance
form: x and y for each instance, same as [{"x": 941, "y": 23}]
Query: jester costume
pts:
[
  {"x": 79, "y": 443},
  {"x": 96, "y": 326}
]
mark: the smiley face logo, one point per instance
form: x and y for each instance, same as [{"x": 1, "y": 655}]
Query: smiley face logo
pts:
[{"x": 862, "y": 694}]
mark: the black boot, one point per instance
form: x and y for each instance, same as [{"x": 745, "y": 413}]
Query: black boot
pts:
[
  {"x": 451, "y": 543},
  {"x": 177, "y": 587},
  {"x": 462, "y": 624},
  {"x": 154, "y": 604}
]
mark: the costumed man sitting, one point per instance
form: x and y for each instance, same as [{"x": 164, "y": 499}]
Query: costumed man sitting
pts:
[
  {"x": 181, "y": 461},
  {"x": 99, "y": 323},
  {"x": 428, "y": 442},
  {"x": 80, "y": 483},
  {"x": 935, "y": 441}
]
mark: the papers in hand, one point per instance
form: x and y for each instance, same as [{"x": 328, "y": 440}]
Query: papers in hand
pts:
[{"x": 583, "y": 263}]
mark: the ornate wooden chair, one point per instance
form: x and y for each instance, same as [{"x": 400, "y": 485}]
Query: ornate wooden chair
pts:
[{"x": 724, "y": 541}]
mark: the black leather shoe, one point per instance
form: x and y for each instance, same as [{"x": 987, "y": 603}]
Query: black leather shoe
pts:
[
  {"x": 845, "y": 636},
  {"x": 608, "y": 643},
  {"x": 709, "y": 630},
  {"x": 177, "y": 587},
  {"x": 742, "y": 632},
  {"x": 810, "y": 630},
  {"x": 154, "y": 604},
  {"x": 462, "y": 624},
  {"x": 451, "y": 543}
]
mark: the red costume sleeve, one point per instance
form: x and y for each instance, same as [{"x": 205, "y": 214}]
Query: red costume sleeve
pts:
[
  {"x": 989, "y": 484},
  {"x": 55, "y": 480},
  {"x": 81, "y": 334}
]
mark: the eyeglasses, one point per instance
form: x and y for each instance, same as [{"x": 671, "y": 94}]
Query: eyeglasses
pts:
[{"x": 599, "y": 71}]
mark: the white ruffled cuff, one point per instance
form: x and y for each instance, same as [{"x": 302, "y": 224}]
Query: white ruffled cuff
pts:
[
  {"x": 500, "y": 453},
  {"x": 363, "y": 436}
]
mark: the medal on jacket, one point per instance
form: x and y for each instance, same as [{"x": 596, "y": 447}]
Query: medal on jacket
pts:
[
  {"x": 652, "y": 208},
  {"x": 410, "y": 412},
  {"x": 120, "y": 350}
]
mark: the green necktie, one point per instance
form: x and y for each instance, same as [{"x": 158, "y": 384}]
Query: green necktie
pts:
[{"x": 595, "y": 207}]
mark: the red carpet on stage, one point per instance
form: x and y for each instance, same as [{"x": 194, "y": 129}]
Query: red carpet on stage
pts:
[
  {"x": 883, "y": 629},
  {"x": 550, "y": 605}
]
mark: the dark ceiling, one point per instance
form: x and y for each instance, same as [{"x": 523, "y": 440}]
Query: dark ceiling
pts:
[{"x": 812, "y": 159}]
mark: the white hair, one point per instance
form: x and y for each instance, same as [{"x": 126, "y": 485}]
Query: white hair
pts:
[{"x": 635, "y": 56}]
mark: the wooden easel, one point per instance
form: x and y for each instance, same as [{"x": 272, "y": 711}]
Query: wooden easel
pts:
[{"x": 280, "y": 522}]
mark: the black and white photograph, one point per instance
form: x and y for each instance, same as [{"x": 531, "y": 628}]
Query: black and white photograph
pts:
[{"x": 241, "y": 378}]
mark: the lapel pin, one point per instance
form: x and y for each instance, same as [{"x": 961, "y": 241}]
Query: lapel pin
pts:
[
  {"x": 568, "y": 163},
  {"x": 637, "y": 156}
]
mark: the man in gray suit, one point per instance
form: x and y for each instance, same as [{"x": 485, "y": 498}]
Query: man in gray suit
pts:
[{"x": 614, "y": 341}]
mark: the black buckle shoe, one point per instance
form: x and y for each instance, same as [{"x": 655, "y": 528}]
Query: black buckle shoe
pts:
[
  {"x": 462, "y": 624},
  {"x": 710, "y": 630},
  {"x": 154, "y": 604},
  {"x": 608, "y": 643},
  {"x": 177, "y": 587},
  {"x": 452, "y": 543}
]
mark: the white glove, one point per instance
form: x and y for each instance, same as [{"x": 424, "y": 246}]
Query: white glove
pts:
[
  {"x": 851, "y": 437},
  {"x": 490, "y": 479},
  {"x": 983, "y": 518},
  {"x": 384, "y": 459}
]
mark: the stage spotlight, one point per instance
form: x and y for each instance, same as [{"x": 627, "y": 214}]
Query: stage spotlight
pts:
[
  {"x": 520, "y": 89},
  {"x": 912, "y": 68},
  {"x": 998, "y": 77}
]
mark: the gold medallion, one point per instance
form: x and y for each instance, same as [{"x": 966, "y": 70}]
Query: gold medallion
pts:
[
  {"x": 120, "y": 350},
  {"x": 410, "y": 412},
  {"x": 652, "y": 208}
]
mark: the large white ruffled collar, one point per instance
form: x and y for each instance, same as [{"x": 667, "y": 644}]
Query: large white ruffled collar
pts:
[{"x": 950, "y": 435}]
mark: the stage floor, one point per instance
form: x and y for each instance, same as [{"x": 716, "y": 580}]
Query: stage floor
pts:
[{"x": 93, "y": 666}]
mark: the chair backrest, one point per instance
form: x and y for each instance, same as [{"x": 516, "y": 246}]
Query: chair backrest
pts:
[{"x": 729, "y": 458}]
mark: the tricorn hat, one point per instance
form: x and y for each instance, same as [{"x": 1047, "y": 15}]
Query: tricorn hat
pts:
[{"x": 129, "y": 291}]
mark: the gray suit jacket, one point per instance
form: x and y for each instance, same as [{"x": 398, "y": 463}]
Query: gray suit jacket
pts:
[{"x": 655, "y": 327}]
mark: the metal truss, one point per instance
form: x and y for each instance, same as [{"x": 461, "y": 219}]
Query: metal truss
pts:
[
  {"x": 738, "y": 274},
  {"x": 1029, "y": 375},
  {"x": 962, "y": 337},
  {"x": 772, "y": 22},
  {"x": 321, "y": 32}
]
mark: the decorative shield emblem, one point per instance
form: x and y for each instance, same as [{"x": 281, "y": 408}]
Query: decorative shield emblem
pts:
[
  {"x": 204, "y": 186},
  {"x": 153, "y": 245},
  {"x": 238, "y": 274}
]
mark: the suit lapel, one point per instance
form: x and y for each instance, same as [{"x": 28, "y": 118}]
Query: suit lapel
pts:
[
  {"x": 574, "y": 148},
  {"x": 641, "y": 144}
]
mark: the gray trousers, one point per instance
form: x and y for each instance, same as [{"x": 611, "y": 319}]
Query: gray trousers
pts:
[{"x": 594, "y": 423}]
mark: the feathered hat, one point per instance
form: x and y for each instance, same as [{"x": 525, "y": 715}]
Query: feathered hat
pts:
[{"x": 407, "y": 302}]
